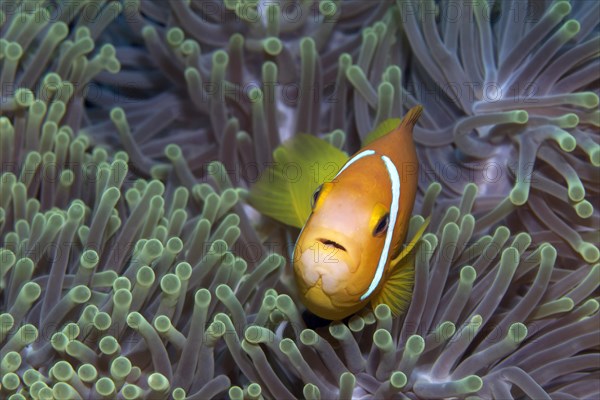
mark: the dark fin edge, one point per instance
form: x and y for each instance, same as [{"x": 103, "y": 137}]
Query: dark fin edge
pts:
[{"x": 411, "y": 117}]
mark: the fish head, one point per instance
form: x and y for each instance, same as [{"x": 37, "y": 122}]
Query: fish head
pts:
[{"x": 340, "y": 246}]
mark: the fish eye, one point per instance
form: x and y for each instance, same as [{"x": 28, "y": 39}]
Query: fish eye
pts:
[
  {"x": 315, "y": 196},
  {"x": 382, "y": 225}
]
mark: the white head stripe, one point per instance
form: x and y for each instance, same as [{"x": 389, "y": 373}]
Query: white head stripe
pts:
[
  {"x": 354, "y": 159},
  {"x": 395, "y": 180}
]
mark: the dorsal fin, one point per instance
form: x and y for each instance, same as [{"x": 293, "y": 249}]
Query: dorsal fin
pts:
[{"x": 411, "y": 118}]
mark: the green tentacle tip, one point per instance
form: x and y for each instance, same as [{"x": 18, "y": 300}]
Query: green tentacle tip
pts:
[
  {"x": 105, "y": 386},
  {"x": 284, "y": 302},
  {"x": 568, "y": 121},
  {"x": 255, "y": 95},
  {"x": 220, "y": 58},
  {"x": 415, "y": 345},
  {"x": 43, "y": 392},
  {"x": 131, "y": 391},
  {"x": 51, "y": 80},
  {"x": 587, "y": 99},
  {"x": 120, "y": 367},
  {"x": 30, "y": 292},
  {"x": 347, "y": 382},
  {"x": 75, "y": 212},
  {"x": 589, "y": 252},
  {"x": 214, "y": 331},
  {"x": 173, "y": 152},
  {"x": 67, "y": 177},
  {"x": 80, "y": 294},
  {"x": 450, "y": 232},
  {"x": 202, "y": 298},
  {"x": 24, "y": 97},
  {"x": 517, "y": 332},
  {"x": 591, "y": 306},
  {"x": 152, "y": 249},
  {"x": 60, "y": 341},
  {"x": 327, "y": 8},
  {"x": 87, "y": 373},
  {"x": 571, "y": 28},
  {"x": 311, "y": 392},
  {"x": 564, "y": 304},
  {"x": 63, "y": 371},
  {"x": 471, "y": 383},
  {"x": 11, "y": 362},
  {"x": 183, "y": 270},
  {"x": 145, "y": 276},
  {"x": 102, "y": 321},
  {"x": 398, "y": 379},
  {"x": 170, "y": 284},
  {"x": 32, "y": 376},
  {"x": 383, "y": 339},
  {"x": 121, "y": 283},
  {"x": 272, "y": 46},
  {"x": 355, "y": 74},
  {"x": 309, "y": 337},
  {"x": 475, "y": 322},
  {"x": 11, "y": 381},
  {"x": 109, "y": 345},
  {"x": 510, "y": 257},
  {"x": 158, "y": 382},
  {"x": 38, "y": 108},
  {"x": 356, "y": 323},
  {"x": 288, "y": 347},
  {"x": 344, "y": 61},
  {"x": 236, "y": 393},
  {"x": 117, "y": 115},
  {"x": 175, "y": 36},
  {"x": 383, "y": 311},
  {"x": 59, "y": 30},
  {"x": 560, "y": 9},
  {"x": 519, "y": 194},
  {"x": 519, "y": 116},
  {"x": 134, "y": 320},
  {"x": 576, "y": 191},
  {"x": 307, "y": 46},
  {"x": 224, "y": 292},
  {"x": 13, "y": 51},
  {"x": 162, "y": 324},
  {"x": 468, "y": 274},
  {"x": 446, "y": 330},
  {"x": 63, "y": 390},
  {"x": 567, "y": 142},
  {"x": 178, "y": 394},
  {"x": 254, "y": 390},
  {"x": 257, "y": 334}
]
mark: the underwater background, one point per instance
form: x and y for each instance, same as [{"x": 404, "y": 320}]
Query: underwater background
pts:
[{"x": 133, "y": 266}]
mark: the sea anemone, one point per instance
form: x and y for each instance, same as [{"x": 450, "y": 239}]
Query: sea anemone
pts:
[
  {"x": 511, "y": 104},
  {"x": 130, "y": 131}
]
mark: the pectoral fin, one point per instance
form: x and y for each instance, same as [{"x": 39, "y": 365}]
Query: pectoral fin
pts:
[{"x": 301, "y": 164}]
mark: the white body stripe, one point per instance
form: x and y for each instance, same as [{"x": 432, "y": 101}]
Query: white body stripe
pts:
[
  {"x": 395, "y": 180},
  {"x": 354, "y": 159}
]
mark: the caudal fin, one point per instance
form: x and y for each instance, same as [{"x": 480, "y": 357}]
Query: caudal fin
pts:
[{"x": 411, "y": 118}]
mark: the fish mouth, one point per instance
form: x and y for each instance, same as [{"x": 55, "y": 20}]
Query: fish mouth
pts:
[{"x": 331, "y": 243}]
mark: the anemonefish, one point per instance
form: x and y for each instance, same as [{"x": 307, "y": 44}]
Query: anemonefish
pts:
[{"x": 347, "y": 254}]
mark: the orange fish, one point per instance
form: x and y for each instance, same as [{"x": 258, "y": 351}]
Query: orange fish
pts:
[{"x": 349, "y": 252}]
